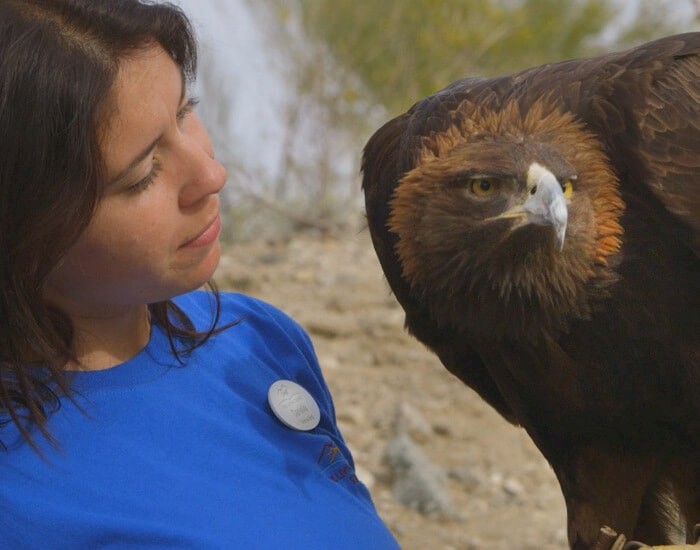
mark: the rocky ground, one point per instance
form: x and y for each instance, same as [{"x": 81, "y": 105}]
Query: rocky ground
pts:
[{"x": 445, "y": 471}]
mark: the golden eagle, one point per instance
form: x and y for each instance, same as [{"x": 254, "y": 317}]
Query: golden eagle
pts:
[{"x": 542, "y": 233}]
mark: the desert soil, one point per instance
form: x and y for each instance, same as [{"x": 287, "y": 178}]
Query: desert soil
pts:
[{"x": 502, "y": 493}]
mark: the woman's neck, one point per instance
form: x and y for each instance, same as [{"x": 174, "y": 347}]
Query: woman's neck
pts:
[{"x": 104, "y": 342}]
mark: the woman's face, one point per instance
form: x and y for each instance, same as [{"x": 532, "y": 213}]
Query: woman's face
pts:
[{"x": 155, "y": 232}]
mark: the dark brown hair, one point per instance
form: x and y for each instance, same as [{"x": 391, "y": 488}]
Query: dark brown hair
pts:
[{"x": 58, "y": 62}]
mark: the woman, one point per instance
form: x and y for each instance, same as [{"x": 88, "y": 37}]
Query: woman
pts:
[{"x": 135, "y": 410}]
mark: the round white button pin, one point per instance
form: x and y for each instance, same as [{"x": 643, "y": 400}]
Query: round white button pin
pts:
[{"x": 293, "y": 405}]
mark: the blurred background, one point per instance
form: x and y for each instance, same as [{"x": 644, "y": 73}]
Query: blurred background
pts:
[{"x": 291, "y": 89}]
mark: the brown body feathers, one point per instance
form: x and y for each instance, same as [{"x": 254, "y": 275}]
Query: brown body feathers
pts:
[{"x": 542, "y": 233}]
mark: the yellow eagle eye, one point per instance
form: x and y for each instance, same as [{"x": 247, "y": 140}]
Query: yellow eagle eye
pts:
[
  {"x": 483, "y": 187},
  {"x": 568, "y": 188}
]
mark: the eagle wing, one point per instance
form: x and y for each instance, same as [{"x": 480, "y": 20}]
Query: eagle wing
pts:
[{"x": 668, "y": 124}]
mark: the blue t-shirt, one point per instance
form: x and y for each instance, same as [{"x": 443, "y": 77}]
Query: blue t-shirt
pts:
[{"x": 170, "y": 456}]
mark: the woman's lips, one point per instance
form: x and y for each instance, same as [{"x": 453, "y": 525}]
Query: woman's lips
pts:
[{"x": 207, "y": 236}]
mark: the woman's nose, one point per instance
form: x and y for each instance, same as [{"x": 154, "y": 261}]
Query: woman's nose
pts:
[{"x": 203, "y": 174}]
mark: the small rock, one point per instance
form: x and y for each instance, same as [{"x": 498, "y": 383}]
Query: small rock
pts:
[
  {"x": 512, "y": 487},
  {"x": 496, "y": 478},
  {"x": 323, "y": 328},
  {"x": 418, "y": 483},
  {"x": 442, "y": 428}
]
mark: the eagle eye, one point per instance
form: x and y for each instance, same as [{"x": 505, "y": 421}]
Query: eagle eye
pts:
[
  {"x": 567, "y": 188},
  {"x": 484, "y": 186}
]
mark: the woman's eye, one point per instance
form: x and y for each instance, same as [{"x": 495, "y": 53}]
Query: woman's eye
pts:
[
  {"x": 144, "y": 183},
  {"x": 484, "y": 187}
]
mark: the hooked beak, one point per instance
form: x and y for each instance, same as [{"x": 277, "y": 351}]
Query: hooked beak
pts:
[{"x": 545, "y": 204}]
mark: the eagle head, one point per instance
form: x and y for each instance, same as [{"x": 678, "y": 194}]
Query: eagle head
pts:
[{"x": 506, "y": 220}]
